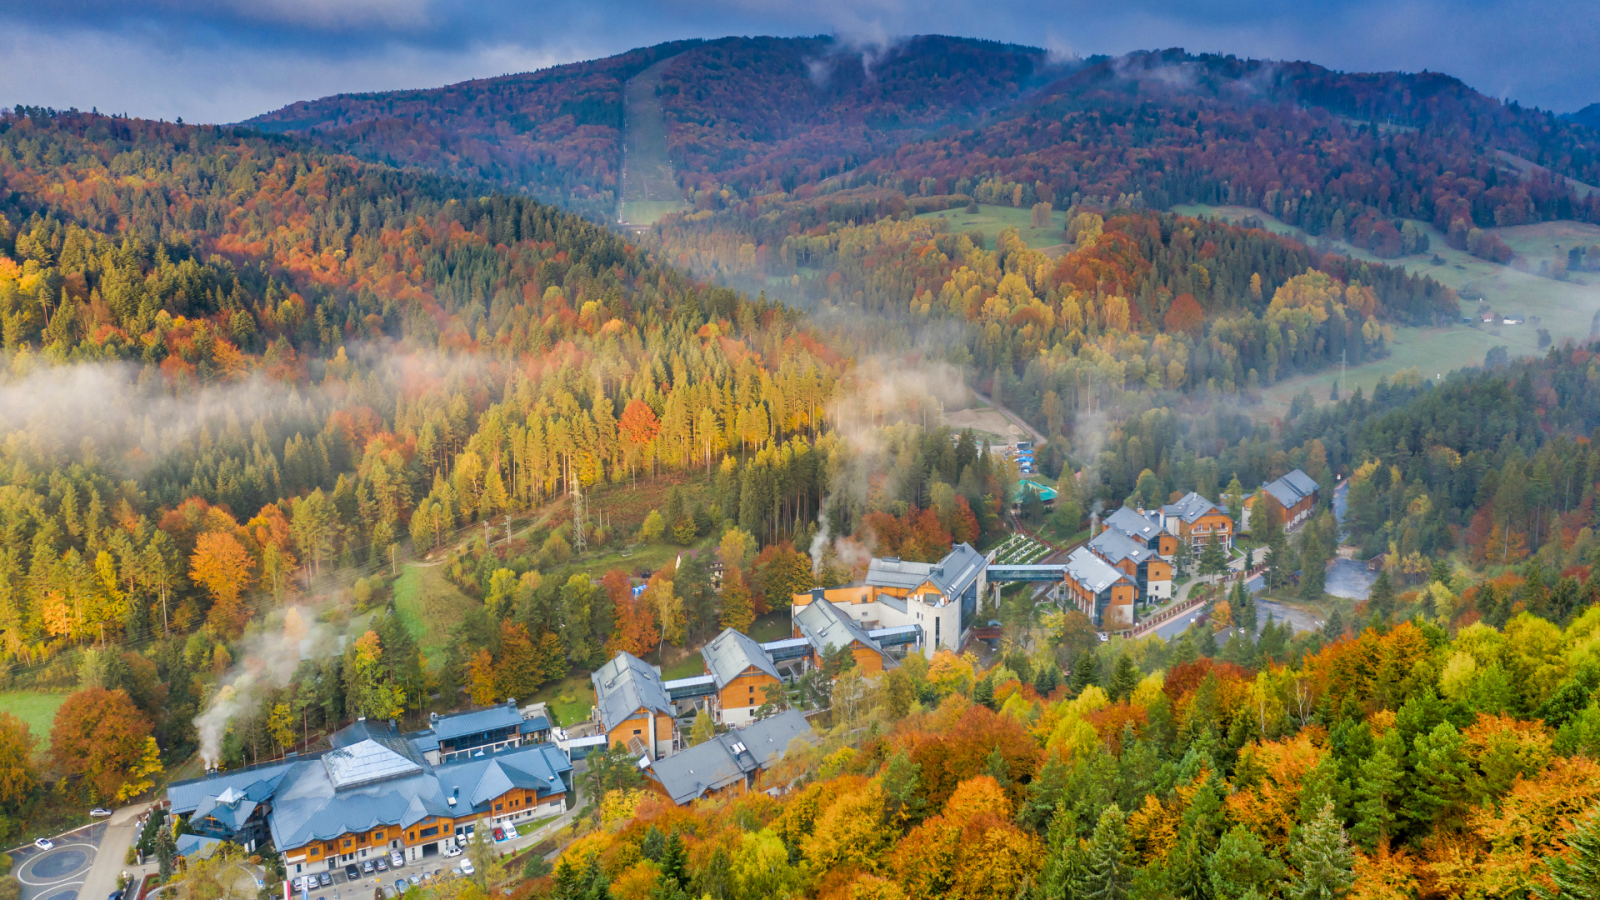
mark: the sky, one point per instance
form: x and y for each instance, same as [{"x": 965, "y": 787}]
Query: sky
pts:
[{"x": 227, "y": 60}]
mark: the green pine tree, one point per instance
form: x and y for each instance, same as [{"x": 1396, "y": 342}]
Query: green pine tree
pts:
[
  {"x": 1381, "y": 598},
  {"x": 1321, "y": 853},
  {"x": 1576, "y": 876},
  {"x": 1108, "y": 867},
  {"x": 1375, "y": 793},
  {"x": 1085, "y": 671},
  {"x": 1241, "y": 865},
  {"x": 1125, "y": 678}
]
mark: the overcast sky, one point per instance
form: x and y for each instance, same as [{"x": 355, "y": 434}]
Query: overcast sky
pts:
[{"x": 226, "y": 60}]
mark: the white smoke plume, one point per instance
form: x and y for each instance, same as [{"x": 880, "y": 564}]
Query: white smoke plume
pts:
[{"x": 269, "y": 655}]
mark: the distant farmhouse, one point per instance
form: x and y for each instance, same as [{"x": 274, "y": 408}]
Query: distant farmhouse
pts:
[{"x": 377, "y": 791}]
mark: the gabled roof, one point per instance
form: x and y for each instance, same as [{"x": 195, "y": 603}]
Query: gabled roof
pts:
[
  {"x": 1130, "y": 522},
  {"x": 1291, "y": 488},
  {"x": 1091, "y": 572},
  {"x": 826, "y": 628},
  {"x": 257, "y": 783},
  {"x": 729, "y": 758},
  {"x": 951, "y": 575},
  {"x": 1114, "y": 547},
  {"x": 731, "y": 653},
  {"x": 626, "y": 685},
  {"x": 1190, "y": 508}
]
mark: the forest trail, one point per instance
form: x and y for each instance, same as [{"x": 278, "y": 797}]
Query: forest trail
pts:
[{"x": 649, "y": 188}]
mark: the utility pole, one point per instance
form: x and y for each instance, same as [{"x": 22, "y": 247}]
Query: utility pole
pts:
[
  {"x": 579, "y": 543},
  {"x": 1342, "y": 354}
]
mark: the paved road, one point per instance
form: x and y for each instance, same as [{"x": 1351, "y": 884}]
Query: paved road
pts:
[{"x": 61, "y": 873}]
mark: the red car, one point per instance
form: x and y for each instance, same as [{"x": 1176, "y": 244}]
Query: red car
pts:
[{"x": 499, "y": 834}]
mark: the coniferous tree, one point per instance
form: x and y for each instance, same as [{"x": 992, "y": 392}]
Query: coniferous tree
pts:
[
  {"x": 1322, "y": 856},
  {"x": 1108, "y": 866}
]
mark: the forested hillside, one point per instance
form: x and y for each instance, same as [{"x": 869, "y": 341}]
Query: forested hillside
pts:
[
  {"x": 304, "y": 359},
  {"x": 555, "y": 133}
]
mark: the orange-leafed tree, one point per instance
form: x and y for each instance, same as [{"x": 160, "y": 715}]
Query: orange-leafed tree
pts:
[
  {"x": 101, "y": 737},
  {"x": 1185, "y": 315},
  {"x": 224, "y": 567},
  {"x": 639, "y": 426}
]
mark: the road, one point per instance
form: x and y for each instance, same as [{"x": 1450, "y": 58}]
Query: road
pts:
[{"x": 85, "y": 862}]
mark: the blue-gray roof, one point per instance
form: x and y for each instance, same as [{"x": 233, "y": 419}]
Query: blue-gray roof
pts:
[
  {"x": 826, "y": 628},
  {"x": 196, "y": 845},
  {"x": 1114, "y": 546},
  {"x": 370, "y": 783},
  {"x": 1092, "y": 572},
  {"x": 477, "y": 721},
  {"x": 1190, "y": 508},
  {"x": 952, "y": 575},
  {"x": 1292, "y": 488},
  {"x": 731, "y": 653},
  {"x": 728, "y": 758},
  {"x": 626, "y": 685},
  {"x": 1132, "y": 523},
  {"x": 534, "y": 725}
]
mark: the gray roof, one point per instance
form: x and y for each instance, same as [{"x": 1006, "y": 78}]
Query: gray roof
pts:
[
  {"x": 1292, "y": 488},
  {"x": 730, "y": 654},
  {"x": 626, "y": 685},
  {"x": 477, "y": 721},
  {"x": 1114, "y": 546},
  {"x": 1131, "y": 523},
  {"x": 729, "y": 758},
  {"x": 308, "y": 804},
  {"x": 257, "y": 783},
  {"x": 308, "y": 807},
  {"x": 1190, "y": 508},
  {"x": 195, "y": 845},
  {"x": 951, "y": 575},
  {"x": 1094, "y": 573},
  {"x": 826, "y": 628}
]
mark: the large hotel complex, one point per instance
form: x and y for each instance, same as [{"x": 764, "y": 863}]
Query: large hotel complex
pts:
[{"x": 378, "y": 791}]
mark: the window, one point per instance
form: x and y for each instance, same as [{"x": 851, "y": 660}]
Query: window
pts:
[
  {"x": 377, "y": 835},
  {"x": 430, "y": 832},
  {"x": 637, "y": 731},
  {"x": 347, "y": 843},
  {"x": 498, "y": 807}
]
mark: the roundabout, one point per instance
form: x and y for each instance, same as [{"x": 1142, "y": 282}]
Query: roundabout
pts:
[{"x": 56, "y": 874}]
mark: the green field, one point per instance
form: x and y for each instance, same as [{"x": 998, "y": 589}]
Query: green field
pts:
[
  {"x": 36, "y": 708},
  {"x": 430, "y": 606},
  {"x": 570, "y": 699},
  {"x": 991, "y": 220},
  {"x": 1566, "y": 309}
]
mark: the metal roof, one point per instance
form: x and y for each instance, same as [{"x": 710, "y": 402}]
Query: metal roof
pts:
[
  {"x": 952, "y": 575},
  {"x": 1092, "y": 572},
  {"x": 1114, "y": 546},
  {"x": 1292, "y": 488},
  {"x": 826, "y": 628},
  {"x": 1130, "y": 522},
  {"x": 731, "y": 654},
  {"x": 1190, "y": 508},
  {"x": 729, "y": 758},
  {"x": 477, "y": 721},
  {"x": 625, "y": 685}
]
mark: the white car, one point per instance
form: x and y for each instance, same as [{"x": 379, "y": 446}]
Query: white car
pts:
[
  {"x": 100, "y": 812},
  {"x": 45, "y": 844},
  {"x": 466, "y": 867},
  {"x": 396, "y": 859}
]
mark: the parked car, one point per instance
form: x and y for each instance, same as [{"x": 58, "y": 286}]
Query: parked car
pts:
[
  {"x": 396, "y": 858},
  {"x": 115, "y": 895},
  {"x": 351, "y": 873},
  {"x": 400, "y": 885},
  {"x": 100, "y": 812},
  {"x": 415, "y": 878},
  {"x": 466, "y": 867},
  {"x": 45, "y": 844},
  {"x": 499, "y": 835},
  {"x": 326, "y": 878},
  {"x": 366, "y": 867},
  {"x": 383, "y": 864},
  {"x": 452, "y": 849}
]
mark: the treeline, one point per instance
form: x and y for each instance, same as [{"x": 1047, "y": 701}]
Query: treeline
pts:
[{"x": 1394, "y": 761}]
